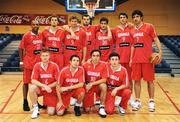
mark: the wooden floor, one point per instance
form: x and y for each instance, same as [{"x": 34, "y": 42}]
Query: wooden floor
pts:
[{"x": 167, "y": 97}]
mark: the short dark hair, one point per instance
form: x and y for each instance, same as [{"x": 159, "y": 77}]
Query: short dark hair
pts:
[
  {"x": 54, "y": 16},
  {"x": 114, "y": 54},
  {"x": 73, "y": 17},
  {"x": 124, "y": 14},
  {"x": 74, "y": 56},
  {"x": 104, "y": 19},
  {"x": 44, "y": 50},
  {"x": 137, "y": 12},
  {"x": 85, "y": 15},
  {"x": 95, "y": 51}
]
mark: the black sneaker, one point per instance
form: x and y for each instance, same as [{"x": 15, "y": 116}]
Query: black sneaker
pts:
[
  {"x": 42, "y": 106},
  {"x": 77, "y": 111},
  {"x": 26, "y": 106}
]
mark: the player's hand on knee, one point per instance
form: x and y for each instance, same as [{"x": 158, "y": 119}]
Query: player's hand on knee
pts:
[
  {"x": 60, "y": 108},
  {"x": 114, "y": 91}
]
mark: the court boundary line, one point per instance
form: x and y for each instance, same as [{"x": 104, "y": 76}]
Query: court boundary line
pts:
[
  {"x": 10, "y": 97},
  {"x": 170, "y": 99},
  {"x": 145, "y": 113}
]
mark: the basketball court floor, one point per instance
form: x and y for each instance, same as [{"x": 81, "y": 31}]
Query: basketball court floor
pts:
[{"x": 167, "y": 97}]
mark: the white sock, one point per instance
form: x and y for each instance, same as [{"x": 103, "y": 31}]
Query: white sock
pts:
[
  {"x": 35, "y": 106},
  {"x": 101, "y": 105},
  {"x": 151, "y": 100},
  {"x": 77, "y": 104}
]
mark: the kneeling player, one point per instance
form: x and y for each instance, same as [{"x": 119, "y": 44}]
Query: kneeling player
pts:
[
  {"x": 117, "y": 85},
  {"x": 96, "y": 74},
  {"x": 70, "y": 84},
  {"x": 44, "y": 83}
]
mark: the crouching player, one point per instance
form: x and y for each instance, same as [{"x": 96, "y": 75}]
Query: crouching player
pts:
[
  {"x": 96, "y": 74},
  {"x": 70, "y": 84},
  {"x": 117, "y": 85},
  {"x": 44, "y": 83}
]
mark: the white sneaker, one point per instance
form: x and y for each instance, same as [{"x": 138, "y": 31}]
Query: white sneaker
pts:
[
  {"x": 102, "y": 112},
  {"x": 136, "y": 106},
  {"x": 151, "y": 106},
  {"x": 35, "y": 114},
  {"x": 73, "y": 101},
  {"x": 122, "y": 111}
]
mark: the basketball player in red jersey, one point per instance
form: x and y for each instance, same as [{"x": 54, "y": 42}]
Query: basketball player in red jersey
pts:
[
  {"x": 117, "y": 85},
  {"x": 123, "y": 42},
  {"x": 104, "y": 40},
  {"x": 96, "y": 74},
  {"x": 70, "y": 84},
  {"x": 90, "y": 33},
  {"x": 44, "y": 77},
  {"x": 53, "y": 40},
  {"x": 143, "y": 36},
  {"x": 76, "y": 43},
  {"x": 29, "y": 50}
]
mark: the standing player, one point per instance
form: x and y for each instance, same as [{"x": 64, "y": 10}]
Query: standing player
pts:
[
  {"x": 96, "y": 74},
  {"x": 75, "y": 44},
  {"x": 90, "y": 34},
  {"x": 123, "y": 42},
  {"x": 53, "y": 39},
  {"x": 143, "y": 36},
  {"x": 70, "y": 84},
  {"x": 44, "y": 77},
  {"x": 29, "y": 51},
  {"x": 104, "y": 39},
  {"x": 117, "y": 85}
]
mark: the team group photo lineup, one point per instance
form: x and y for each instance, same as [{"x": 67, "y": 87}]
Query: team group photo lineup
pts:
[{"x": 86, "y": 66}]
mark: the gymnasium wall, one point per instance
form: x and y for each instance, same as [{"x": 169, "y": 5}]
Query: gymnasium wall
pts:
[{"x": 164, "y": 14}]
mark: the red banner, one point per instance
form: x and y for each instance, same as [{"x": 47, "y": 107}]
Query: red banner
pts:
[{"x": 25, "y": 19}]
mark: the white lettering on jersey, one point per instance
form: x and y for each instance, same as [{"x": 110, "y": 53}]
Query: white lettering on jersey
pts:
[
  {"x": 113, "y": 77},
  {"x": 45, "y": 75},
  {"x": 72, "y": 80},
  {"x": 53, "y": 38},
  {"x": 95, "y": 74},
  {"x": 123, "y": 34},
  {"x": 103, "y": 37},
  {"x": 37, "y": 41},
  {"x": 138, "y": 34}
]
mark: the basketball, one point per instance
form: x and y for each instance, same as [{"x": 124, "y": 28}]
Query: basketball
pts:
[{"x": 154, "y": 58}]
